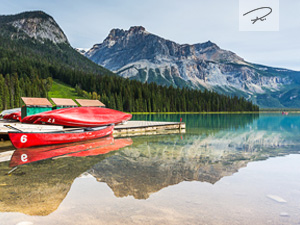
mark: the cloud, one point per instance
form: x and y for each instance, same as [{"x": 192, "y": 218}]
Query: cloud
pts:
[{"x": 192, "y": 21}]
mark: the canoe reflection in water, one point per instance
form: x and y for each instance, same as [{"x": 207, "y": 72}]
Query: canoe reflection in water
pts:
[
  {"x": 44, "y": 175},
  {"x": 79, "y": 149}
]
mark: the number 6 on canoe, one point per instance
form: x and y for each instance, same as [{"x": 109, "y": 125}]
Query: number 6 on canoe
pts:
[{"x": 24, "y": 138}]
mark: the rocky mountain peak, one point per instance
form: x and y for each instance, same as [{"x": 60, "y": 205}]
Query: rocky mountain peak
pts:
[
  {"x": 136, "y": 29},
  {"x": 37, "y": 25},
  {"x": 208, "y": 44},
  {"x": 115, "y": 34},
  {"x": 136, "y": 44}
]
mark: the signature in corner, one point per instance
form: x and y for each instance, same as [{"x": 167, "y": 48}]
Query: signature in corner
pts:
[{"x": 262, "y": 18}]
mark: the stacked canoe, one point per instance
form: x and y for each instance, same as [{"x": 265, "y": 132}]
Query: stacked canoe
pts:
[
  {"x": 79, "y": 117},
  {"x": 12, "y": 114},
  {"x": 84, "y": 123}
]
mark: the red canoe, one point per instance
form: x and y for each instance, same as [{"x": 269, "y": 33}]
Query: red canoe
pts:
[
  {"x": 80, "y": 117},
  {"x": 29, "y": 139},
  {"x": 13, "y": 116},
  {"x": 32, "y": 118},
  {"x": 86, "y": 148}
]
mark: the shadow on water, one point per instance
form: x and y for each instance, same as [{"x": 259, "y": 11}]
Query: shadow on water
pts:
[{"x": 213, "y": 147}]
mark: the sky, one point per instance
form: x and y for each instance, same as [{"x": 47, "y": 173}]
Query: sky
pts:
[{"x": 88, "y": 22}]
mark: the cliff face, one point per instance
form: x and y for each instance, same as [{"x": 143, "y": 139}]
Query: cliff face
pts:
[
  {"x": 138, "y": 54},
  {"x": 136, "y": 44},
  {"x": 37, "y": 25}
]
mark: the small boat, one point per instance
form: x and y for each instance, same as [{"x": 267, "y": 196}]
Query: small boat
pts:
[
  {"x": 285, "y": 113},
  {"x": 9, "y": 111},
  {"x": 79, "y": 117},
  {"x": 22, "y": 139},
  {"x": 79, "y": 149},
  {"x": 13, "y": 116}
]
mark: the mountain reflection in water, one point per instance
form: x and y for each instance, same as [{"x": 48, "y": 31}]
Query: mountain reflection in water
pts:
[
  {"x": 153, "y": 163},
  {"x": 213, "y": 147}
]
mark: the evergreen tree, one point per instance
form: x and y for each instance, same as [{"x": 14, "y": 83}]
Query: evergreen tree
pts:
[{"x": 2, "y": 83}]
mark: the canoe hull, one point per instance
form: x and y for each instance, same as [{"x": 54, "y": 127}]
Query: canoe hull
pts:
[
  {"x": 32, "y": 118},
  {"x": 13, "y": 116},
  {"x": 29, "y": 139},
  {"x": 79, "y": 117}
]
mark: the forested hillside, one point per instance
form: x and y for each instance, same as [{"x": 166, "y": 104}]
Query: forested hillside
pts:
[
  {"x": 13, "y": 87},
  {"x": 28, "y": 66}
]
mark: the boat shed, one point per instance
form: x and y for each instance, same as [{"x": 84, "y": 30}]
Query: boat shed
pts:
[
  {"x": 63, "y": 103},
  {"x": 34, "y": 106},
  {"x": 90, "y": 103}
]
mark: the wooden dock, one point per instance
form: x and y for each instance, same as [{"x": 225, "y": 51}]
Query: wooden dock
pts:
[
  {"x": 131, "y": 128},
  {"x": 135, "y": 128},
  {"x": 25, "y": 127}
]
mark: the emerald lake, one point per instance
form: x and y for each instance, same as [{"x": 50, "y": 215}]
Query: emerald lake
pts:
[{"x": 226, "y": 169}]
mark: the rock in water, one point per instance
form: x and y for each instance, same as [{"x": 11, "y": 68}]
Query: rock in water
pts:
[
  {"x": 276, "y": 198},
  {"x": 284, "y": 214}
]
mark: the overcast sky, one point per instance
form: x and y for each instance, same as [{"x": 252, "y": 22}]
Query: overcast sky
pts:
[{"x": 186, "y": 22}]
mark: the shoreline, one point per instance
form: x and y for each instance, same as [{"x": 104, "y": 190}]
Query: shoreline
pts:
[{"x": 245, "y": 112}]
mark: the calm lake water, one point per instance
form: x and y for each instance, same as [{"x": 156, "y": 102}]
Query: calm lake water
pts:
[{"x": 226, "y": 169}]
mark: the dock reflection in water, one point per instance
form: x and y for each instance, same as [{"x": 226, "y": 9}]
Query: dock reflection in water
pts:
[{"x": 225, "y": 154}]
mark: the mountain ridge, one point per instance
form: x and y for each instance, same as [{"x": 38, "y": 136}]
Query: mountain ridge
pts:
[
  {"x": 138, "y": 54},
  {"x": 37, "y": 56}
]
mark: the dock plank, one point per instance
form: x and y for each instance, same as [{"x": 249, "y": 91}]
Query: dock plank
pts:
[
  {"x": 139, "y": 124},
  {"x": 26, "y": 127}
]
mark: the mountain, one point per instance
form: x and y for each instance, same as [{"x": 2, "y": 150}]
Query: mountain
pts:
[
  {"x": 34, "y": 49},
  {"x": 81, "y": 50},
  {"x": 37, "y": 37},
  {"x": 140, "y": 55},
  {"x": 37, "y": 25}
]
